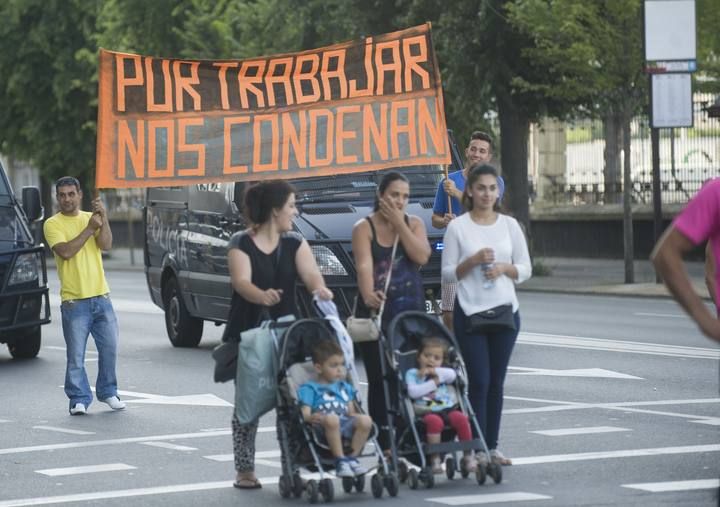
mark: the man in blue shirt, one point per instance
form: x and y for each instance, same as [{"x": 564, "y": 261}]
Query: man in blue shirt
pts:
[{"x": 479, "y": 151}]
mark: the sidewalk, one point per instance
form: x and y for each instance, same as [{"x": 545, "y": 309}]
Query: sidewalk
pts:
[{"x": 573, "y": 276}]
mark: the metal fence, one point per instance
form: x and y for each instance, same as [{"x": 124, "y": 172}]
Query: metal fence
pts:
[{"x": 688, "y": 157}]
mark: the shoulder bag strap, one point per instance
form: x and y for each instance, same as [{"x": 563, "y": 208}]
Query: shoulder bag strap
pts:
[{"x": 389, "y": 275}]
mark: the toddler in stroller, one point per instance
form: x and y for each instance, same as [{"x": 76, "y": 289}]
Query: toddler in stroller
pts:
[
  {"x": 433, "y": 402},
  {"x": 430, "y": 386},
  {"x": 329, "y": 405},
  {"x": 317, "y": 405}
]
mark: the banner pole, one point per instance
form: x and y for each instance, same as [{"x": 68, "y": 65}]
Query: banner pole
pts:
[{"x": 447, "y": 177}]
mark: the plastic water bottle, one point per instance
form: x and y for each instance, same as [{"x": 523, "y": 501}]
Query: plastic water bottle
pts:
[{"x": 487, "y": 284}]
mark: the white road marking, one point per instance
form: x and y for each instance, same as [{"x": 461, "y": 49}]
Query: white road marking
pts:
[
  {"x": 625, "y": 453},
  {"x": 220, "y": 457},
  {"x": 487, "y": 498},
  {"x": 168, "y": 445},
  {"x": 670, "y": 315},
  {"x": 268, "y": 463},
  {"x": 205, "y": 400},
  {"x": 4, "y": 420},
  {"x": 658, "y": 487},
  {"x": 580, "y": 372},
  {"x": 625, "y": 406},
  {"x": 230, "y": 457},
  {"x": 630, "y": 347},
  {"x": 579, "y": 431},
  {"x": 64, "y": 430},
  {"x": 90, "y": 469},
  {"x": 712, "y": 421},
  {"x": 128, "y": 440}
]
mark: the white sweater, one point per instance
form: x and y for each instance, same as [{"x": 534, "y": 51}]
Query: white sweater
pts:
[{"x": 464, "y": 238}]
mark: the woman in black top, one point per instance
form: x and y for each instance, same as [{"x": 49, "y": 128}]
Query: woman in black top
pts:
[
  {"x": 265, "y": 262},
  {"x": 372, "y": 245}
]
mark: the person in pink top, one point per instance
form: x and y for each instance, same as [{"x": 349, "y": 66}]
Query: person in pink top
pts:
[{"x": 698, "y": 223}]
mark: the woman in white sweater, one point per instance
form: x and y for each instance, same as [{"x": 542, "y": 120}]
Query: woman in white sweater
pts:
[{"x": 487, "y": 254}]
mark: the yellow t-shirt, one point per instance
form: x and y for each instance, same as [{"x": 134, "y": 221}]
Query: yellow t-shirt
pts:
[{"x": 81, "y": 276}]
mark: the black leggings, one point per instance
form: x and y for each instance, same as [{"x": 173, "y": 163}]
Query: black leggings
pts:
[{"x": 376, "y": 403}]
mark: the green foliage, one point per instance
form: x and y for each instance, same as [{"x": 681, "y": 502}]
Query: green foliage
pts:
[
  {"x": 47, "y": 84},
  {"x": 707, "y": 16}
]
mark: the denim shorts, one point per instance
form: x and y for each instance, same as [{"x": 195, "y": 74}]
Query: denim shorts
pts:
[{"x": 347, "y": 426}]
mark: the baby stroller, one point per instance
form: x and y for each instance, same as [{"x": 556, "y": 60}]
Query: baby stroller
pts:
[
  {"x": 299, "y": 445},
  {"x": 404, "y": 336}
]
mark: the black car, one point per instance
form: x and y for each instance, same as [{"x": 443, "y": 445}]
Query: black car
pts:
[
  {"x": 24, "y": 301},
  {"x": 187, "y": 231}
]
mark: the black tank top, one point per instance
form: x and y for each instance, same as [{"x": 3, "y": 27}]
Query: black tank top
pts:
[
  {"x": 274, "y": 270},
  {"x": 405, "y": 291}
]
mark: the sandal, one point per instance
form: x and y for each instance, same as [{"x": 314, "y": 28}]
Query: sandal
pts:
[
  {"x": 437, "y": 467},
  {"x": 247, "y": 483},
  {"x": 497, "y": 457}
]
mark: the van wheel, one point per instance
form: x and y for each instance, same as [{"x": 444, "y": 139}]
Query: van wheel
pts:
[
  {"x": 183, "y": 329},
  {"x": 26, "y": 344}
]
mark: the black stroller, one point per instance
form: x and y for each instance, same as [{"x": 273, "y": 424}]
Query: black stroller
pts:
[
  {"x": 401, "y": 344},
  {"x": 299, "y": 445}
]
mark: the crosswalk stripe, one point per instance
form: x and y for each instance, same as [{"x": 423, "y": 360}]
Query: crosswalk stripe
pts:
[
  {"x": 626, "y": 453},
  {"x": 660, "y": 487},
  {"x": 90, "y": 469},
  {"x": 488, "y": 498},
  {"x": 64, "y": 430},
  {"x": 562, "y": 432},
  {"x": 168, "y": 445}
]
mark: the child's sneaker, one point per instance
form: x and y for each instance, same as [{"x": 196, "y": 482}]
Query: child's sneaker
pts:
[
  {"x": 437, "y": 466},
  {"x": 343, "y": 468},
  {"x": 356, "y": 467}
]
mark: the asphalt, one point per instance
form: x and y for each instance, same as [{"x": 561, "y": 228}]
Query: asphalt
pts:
[{"x": 552, "y": 274}]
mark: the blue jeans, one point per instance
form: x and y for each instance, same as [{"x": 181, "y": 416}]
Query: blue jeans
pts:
[
  {"x": 486, "y": 358},
  {"x": 80, "y": 318}
]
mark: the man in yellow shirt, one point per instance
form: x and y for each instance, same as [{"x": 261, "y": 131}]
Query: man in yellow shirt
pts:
[{"x": 77, "y": 238}]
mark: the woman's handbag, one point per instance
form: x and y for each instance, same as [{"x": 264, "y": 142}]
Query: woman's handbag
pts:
[
  {"x": 367, "y": 329},
  {"x": 225, "y": 356},
  {"x": 494, "y": 320}
]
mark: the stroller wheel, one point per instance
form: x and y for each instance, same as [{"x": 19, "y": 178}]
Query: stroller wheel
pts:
[
  {"x": 480, "y": 475},
  {"x": 376, "y": 486},
  {"x": 402, "y": 471},
  {"x": 495, "y": 471},
  {"x": 327, "y": 490},
  {"x": 312, "y": 491},
  {"x": 297, "y": 485},
  {"x": 413, "y": 479},
  {"x": 464, "y": 472},
  {"x": 428, "y": 477},
  {"x": 450, "y": 467},
  {"x": 285, "y": 486},
  {"x": 360, "y": 483},
  {"x": 347, "y": 484},
  {"x": 392, "y": 484}
]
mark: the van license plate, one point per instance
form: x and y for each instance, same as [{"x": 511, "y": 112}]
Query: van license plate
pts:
[{"x": 429, "y": 306}]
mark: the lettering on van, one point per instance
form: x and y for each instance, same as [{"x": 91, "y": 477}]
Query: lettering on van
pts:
[{"x": 169, "y": 238}]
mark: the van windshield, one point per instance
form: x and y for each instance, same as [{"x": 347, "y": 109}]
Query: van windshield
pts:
[
  {"x": 424, "y": 180},
  {"x": 12, "y": 232}
]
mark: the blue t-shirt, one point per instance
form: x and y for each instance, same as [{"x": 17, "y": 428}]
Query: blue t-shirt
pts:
[
  {"x": 441, "y": 202},
  {"x": 327, "y": 398}
]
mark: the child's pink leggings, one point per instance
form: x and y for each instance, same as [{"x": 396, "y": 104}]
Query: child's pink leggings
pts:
[{"x": 458, "y": 421}]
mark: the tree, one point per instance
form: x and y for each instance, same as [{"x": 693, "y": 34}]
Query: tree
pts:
[{"x": 48, "y": 85}]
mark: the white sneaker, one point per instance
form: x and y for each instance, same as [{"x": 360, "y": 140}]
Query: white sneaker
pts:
[
  {"x": 78, "y": 409},
  {"x": 114, "y": 403}
]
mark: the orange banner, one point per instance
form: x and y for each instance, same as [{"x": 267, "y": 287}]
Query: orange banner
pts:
[{"x": 358, "y": 106}]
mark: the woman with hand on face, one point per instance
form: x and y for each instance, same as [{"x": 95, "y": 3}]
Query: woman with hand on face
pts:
[
  {"x": 372, "y": 245},
  {"x": 265, "y": 262},
  {"x": 487, "y": 254}
]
